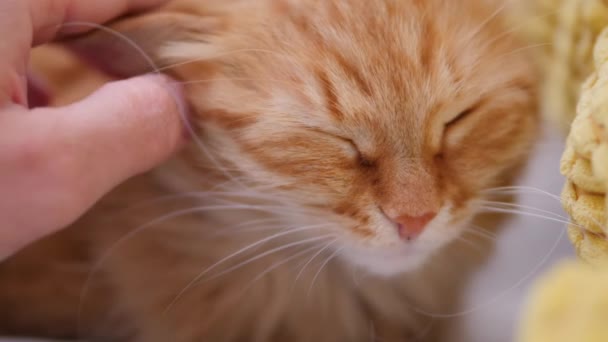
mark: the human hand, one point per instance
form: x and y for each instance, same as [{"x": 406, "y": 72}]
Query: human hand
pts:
[{"x": 55, "y": 163}]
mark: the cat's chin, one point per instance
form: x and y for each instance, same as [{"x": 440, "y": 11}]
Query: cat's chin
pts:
[
  {"x": 404, "y": 256},
  {"x": 386, "y": 263}
]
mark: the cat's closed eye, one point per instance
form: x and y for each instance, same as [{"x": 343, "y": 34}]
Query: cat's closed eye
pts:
[
  {"x": 454, "y": 130},
  {"x": 462, "y": 115},
  {"x": 360, "y": 158}
]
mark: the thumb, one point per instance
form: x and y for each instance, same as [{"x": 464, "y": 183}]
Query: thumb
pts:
[
  {"x": 125, "y": 128},
  {"x": 71, "y": 156}
]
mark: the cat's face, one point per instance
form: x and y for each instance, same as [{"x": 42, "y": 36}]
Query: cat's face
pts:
[{"x": 385, "y": 119}]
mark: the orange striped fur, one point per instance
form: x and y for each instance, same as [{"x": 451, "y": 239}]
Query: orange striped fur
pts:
[{"x": 319, "y": 120}]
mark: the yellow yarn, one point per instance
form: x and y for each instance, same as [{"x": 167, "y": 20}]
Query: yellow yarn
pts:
[
  {"x": 585, "y": 163},
  {"x": 562, "y": 33},
  {"x": 569, "y": 305}
]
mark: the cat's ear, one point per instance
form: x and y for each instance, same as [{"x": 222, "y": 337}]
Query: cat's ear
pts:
[{"x": 135, "y": 45}]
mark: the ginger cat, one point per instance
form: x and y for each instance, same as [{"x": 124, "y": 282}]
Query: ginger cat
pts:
[{"x": 340, "y": 150}]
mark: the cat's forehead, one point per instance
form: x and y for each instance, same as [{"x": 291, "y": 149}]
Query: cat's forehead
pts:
[
  {"x": 405, "y": 55},
  {"x": 384, "y": 67}
]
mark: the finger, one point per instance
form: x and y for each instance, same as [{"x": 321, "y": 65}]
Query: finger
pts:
[
  {"x": 14, "y": 46},
  {"x": 24, "y": 23},
  {"x": 135, "y": 124},
  {"x": 48, "y": 15},
  {"x": 73, "y": 155},
  {"x": 125, "y": 128}
]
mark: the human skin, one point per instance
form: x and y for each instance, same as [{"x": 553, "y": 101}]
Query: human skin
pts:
[{"x": 55, "y": 163}]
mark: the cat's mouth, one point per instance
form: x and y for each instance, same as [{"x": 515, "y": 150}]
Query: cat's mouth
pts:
[
  {"x": 390, "y": 255},
  {"x": 387, "y": 261}
]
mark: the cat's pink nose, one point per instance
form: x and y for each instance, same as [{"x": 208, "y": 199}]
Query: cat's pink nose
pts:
[{"x": 411, "y": 227}]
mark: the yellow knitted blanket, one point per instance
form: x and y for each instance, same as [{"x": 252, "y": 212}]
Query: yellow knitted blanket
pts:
[
  {"x": 562, "y": 33},
  {"x": 568, "y": 305},
  {"x": 571, "y": 303},
  {"x": 585, "y": 163}
]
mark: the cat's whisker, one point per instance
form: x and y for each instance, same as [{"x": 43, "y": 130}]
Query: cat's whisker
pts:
[
  {"x": 275, "y": 266},
  {"x": 258, "y": 81},
  {"x": 503, "y": 293},
  {"x": 488, "y": 208},
  {"x": 101, "y": 260},
  {"x": 127, "y": 237},
  {"x": 254, "y": 229},
  {"x": 514, "y": 29},
  {"x": 235, "y": 254},
  {"x": 214, "y": 160},
  {"x": 507, "y": 205},
  {"x": 328, "y": 245},
  {"x": 520, "y": 212},
  {"x": 132, "y": 44},
  {"x": 269, "y": 252},
  {"x": 270, "y": 84},
  {"x": 329, "y": 258},
  {"x": 182, "y": 109},
  {"x": 165, "y": 198},
  {"x": 251, "y": 194},
  {"x": 527, "y": 189},
  {"x": 261, "y": 201},
  {"x": 211, "y": 157},
  {"x": 488, "y": 20},
  {"x": 258, "y": 187},
  {"x": 206, "y": 195},
  {"x": 358, "y": 274},
  {"x": 278, "y": 209},
  {"x": 215, "y": 195},
  {"x": 519, "y": 27},
  {"x": 225, "y": 54},
  {"x": 218, "y": 79},
  {"x": 283, "y": 262},
  {"x": 234, "y": 197},
  {"x": 520, "y": 189},
  {"x": 224, "y": 167},
  {"x": 470, "y": 243},
  {"x": 487, "y": 231},
  {"x": 522, "y": 49},
  {"x": 258, "y": 221},
  {"x": 272, "y": 209},
  {"x": 481, "y": 232},
  {"x": 245, "y": 194},
  {"x": 225, "y": 185}
]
